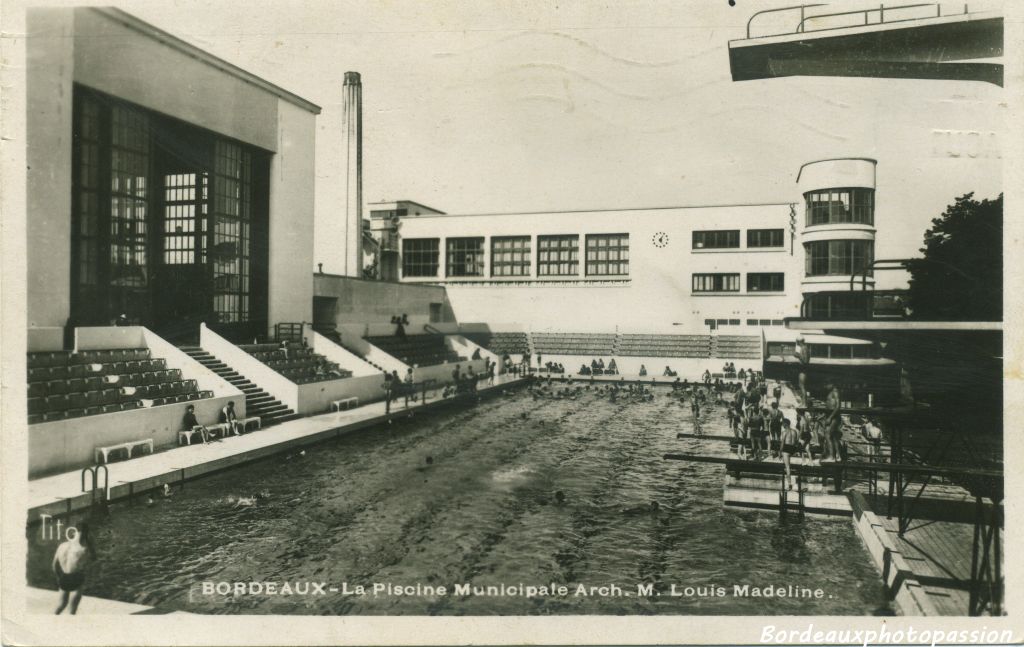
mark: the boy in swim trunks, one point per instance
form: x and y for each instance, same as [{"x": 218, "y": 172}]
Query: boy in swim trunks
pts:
[
  {"x": 69, "y": 562},
  {"x": 775, "y": 419},
  {"x": 833, "y": 423},
  {"x": 758, "y": 431},
  {"x": 790, "y": 445}
]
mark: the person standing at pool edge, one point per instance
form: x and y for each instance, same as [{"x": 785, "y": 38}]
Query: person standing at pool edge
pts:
[
  {"x": 69, "y": 563},
  {"x": 833, "y": 422}
]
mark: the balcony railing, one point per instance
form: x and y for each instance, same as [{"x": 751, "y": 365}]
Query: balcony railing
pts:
[{"x": 826, "y": 21}]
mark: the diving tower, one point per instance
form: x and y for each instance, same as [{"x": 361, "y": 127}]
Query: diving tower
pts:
[{"x": 913, "y": 41}]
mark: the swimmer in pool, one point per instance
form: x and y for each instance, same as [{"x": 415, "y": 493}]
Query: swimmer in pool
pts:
[
  {"x": 559, "y": 498},
  {"x": 651, "y": 508},
  {"x": 69, "y": 564}
]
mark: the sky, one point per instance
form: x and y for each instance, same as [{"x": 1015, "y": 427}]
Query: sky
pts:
[{"x": 483, "y": 107}]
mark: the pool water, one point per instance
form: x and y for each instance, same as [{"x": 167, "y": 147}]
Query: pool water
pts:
[{"x": 466, "y": 495}]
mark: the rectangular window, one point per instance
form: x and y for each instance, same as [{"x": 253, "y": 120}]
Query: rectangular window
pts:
[
  {"x": 229, "y": 254},
  {"x": 129, "y": 206},
  {"x": 716, "y": 282},
  {"x": 420, "y": 256},
  {"x": 766, "y": 282},
  {"x": 465, "y": 256},
  {"x": 838, "y": 257},
  {"x": 183, "y": 200},
  {"x": 86, "y": 233},
  {"x": 510, "y": 256},
  {"x": 734, "y": 322},
  {"x": 558, "y": 255},
  {"x": 725, "y": 239},
  {"x": 766, "y": 238},
  {"x": 840, "y": 206},
  {"x": 751, "y": 322},
  {"x": 607, "y": 254}
]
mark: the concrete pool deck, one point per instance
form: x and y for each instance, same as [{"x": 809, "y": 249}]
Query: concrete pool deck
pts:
[
  {"x": 62, "y": 494},
  {"x": 44, "y": 601}
]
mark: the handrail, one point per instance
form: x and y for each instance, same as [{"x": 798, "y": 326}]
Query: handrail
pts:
[
  {"x": 801, "y": 27},
  {"x": 800, "y": 7},
  {"x": 881, "y": 14}
]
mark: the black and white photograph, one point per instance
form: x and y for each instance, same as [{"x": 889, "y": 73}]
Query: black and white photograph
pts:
[{"x": 662, "y": 321}]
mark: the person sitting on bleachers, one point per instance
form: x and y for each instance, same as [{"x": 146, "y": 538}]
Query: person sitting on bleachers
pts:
[
  {"x": 643, "y": 371},
  {"x": 742, "y": 374},
  {"x": 667, "y": 372},
  {"x": 584, "y": 369},
  {"x": 227, "y": 415},
  {"x": 190, "y": 423},
  {"x": 612, "y": 368},
  {"x": 707, "y": 376},
  {"x": 600, "y": 363}
]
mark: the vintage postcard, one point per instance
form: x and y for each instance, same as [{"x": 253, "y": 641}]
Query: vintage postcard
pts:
[{"x": 456, "y": 322}]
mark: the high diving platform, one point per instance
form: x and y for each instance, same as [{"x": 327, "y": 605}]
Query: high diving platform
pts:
[
  {"x": 929, "y": 508},
  {"x": 911, "y": 41}
]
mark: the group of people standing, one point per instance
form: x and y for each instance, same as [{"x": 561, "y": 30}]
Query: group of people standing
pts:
[{"x": 762, "y": 431}]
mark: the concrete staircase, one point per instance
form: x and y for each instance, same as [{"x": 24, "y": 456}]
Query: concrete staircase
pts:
[{"x": 257, "y": 401}]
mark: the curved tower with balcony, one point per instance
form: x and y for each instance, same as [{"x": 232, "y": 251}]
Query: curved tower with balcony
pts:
[{"x": 838, "y": 237}]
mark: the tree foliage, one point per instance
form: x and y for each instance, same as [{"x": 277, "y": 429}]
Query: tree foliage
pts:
[{"x": 960, "y": 277}]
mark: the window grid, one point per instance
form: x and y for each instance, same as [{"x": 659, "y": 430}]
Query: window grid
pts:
[
  {"x": 766, "y": 282},
  {"x": 607, "y": 255},
  {"x": 88, "y": 230},
  {"x": 510, "y": 256},
  {"x": 766, "y": 238},
  {"x": 716, "y": 282},
  {"x": 723, "y": 239},
  {"x": 465, "y": 256},
  {"x": 229, "y": 254},
  {"x": 180, "y": 221},
  {"x": 129, "y": 202},
  {"x": 840, "y": 206},
  {"x": 558, "y": 255},
  {"x": 839, "y": 257},
  {"x": 420, "y": 256}
]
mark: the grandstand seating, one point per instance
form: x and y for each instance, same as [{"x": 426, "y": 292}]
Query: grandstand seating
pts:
[
  {"x": 694, "y": 346},
  {"x": 296, "y": 362},
  {"x": 417, "y": 350},
  {"x": 552, "y": 343},
  {"x": 738, "y": 346},
  {"x": 65, "y": 385},
  {"x": 501, "y": 343}
]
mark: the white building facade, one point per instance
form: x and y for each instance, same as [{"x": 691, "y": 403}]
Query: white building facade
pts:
[{"x": 732, "y": 268}]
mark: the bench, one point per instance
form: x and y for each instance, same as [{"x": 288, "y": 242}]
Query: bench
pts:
[
  {"x": 128, "y": 447},
  {"x": 345, "y": 403},
  {"x": 245, "y": 422},
  {"x": 221, "y": 429},
  {"x": 188, "y": 433}
]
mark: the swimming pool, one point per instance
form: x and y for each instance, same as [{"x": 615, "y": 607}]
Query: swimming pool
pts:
[{"x": 466, "y": 496}]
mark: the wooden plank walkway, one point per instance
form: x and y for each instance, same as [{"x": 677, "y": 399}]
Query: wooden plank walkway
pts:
[{"x": 937, "y": 546}]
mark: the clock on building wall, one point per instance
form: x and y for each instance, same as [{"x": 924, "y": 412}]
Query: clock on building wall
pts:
[{"x": 660, "y": 239}]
